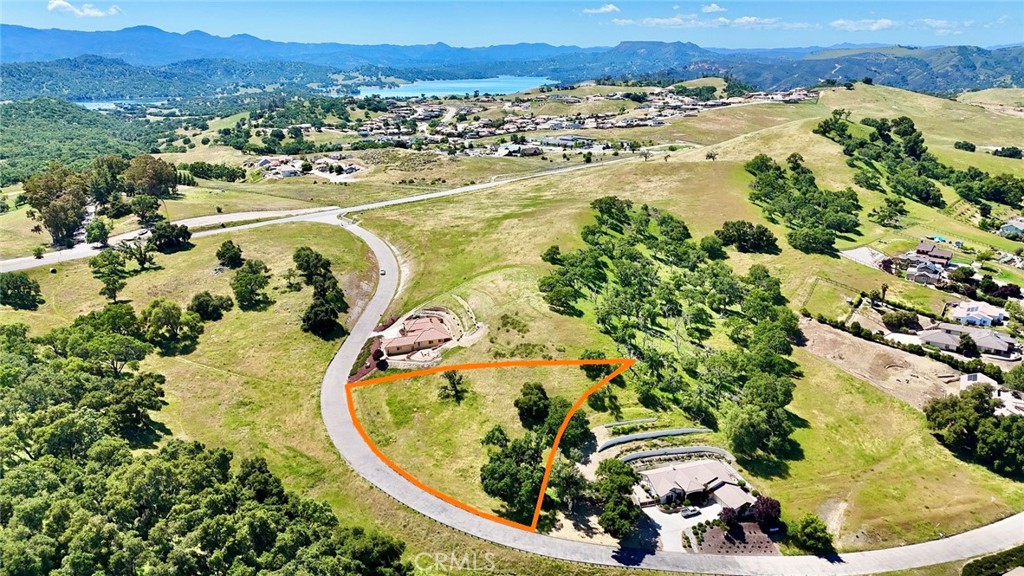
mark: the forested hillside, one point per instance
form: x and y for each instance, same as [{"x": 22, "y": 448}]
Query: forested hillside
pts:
[
  {"x": 78, "y": 496},
  {"x": 94, "y": 78},
  {"x": 38, "y": 131}
]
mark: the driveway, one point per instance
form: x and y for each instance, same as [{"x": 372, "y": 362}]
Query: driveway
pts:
[{"x": 674, "y": 525}]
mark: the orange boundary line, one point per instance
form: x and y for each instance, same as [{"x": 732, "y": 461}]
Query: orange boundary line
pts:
[{"x": 624, "y": 364}]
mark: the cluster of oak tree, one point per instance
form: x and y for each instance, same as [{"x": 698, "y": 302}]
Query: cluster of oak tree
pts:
[
  {"x": 814, "y": 216},
  {"x": 967, "y": 423},
  {"x": 85, "y": 490},
  {"x": 894, "y": 158},
  {"x": 59, "y": 197},
  {"x": 656, "y": 292}
]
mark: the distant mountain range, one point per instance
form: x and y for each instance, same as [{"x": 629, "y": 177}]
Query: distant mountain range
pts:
[{"x": 147, "y": 62}]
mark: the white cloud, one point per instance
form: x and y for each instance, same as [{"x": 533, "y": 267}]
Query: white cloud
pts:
[
  {"x": 86, "y": 11},
  {"x": 602, "y": 10},
  {"x": 694, "y": 21},
  {"x": 709, "y": 8},
  {"x": 998, "y": 22},
  {"x": 943, "y": 27},
  {"x": 863, "y": 25}
]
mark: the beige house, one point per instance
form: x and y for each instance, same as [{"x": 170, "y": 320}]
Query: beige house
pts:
[
  {"x": 698, "y": 481},
  {"x": 418, "y": 334}
]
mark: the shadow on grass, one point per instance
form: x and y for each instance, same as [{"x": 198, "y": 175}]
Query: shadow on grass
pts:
[{"x": 148, "y": 437}]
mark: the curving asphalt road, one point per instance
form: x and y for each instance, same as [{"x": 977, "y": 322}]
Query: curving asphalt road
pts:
[
  {"x": 85, "y": 250},
  {"x": 994, "y": 537},
  {"x": 334, "y": 409}
]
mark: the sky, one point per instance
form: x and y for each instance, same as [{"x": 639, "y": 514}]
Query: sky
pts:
[{"x": 721, "y": 23}]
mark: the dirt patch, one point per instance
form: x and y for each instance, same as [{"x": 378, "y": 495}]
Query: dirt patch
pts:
[
  {"x": 833, "y": 512},
  {"x": 581, "y": 525},
  {"x": 913, "y": 379}
]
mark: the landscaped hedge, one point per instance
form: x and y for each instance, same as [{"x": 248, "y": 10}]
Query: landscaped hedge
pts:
[
  {"x": 974, "y": 365},
  {"x": 995, "y": 564}
]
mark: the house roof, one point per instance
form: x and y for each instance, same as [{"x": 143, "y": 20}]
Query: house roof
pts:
[
  {"x": 1016, "y": 222},
  {"x": 732, "y": 496},
  {"x": 696, "y": 476},
  {"x": 986, "y": 338},
  {"x": 939, "y": 337},
  {"x": 968, "y": 380},
  {"x": 963, "y": 309}
]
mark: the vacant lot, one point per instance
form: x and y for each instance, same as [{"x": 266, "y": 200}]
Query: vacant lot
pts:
[{"x": 913, "y": 379}]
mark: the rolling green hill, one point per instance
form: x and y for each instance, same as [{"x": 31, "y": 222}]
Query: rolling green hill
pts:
[{"x": 38, "y": 131}]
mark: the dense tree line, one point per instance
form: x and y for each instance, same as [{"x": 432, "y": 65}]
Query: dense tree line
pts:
[
  {"x": 321, "y": 317},
  {"x": 699, "y": 93},
  {"x": 37, "y": 132},
  {"x": 968, "y": 425},
  {"x": 58, "y": 196},
  {"x": 82, "y": 491},
  {"x": 208, "y": 171},
  {"x": 791, "y": 193},
  {"x": 894, "y": 153}
]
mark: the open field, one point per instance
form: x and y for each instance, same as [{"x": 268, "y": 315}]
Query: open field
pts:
[
  {"x": 439, "y": 441},
  {"x": 17, "y": 238},
  {"x": 1000, "y": 96},
  {"x": 393, "y": 174}
]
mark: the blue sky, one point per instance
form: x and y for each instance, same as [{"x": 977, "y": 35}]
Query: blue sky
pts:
[{"x": 720, "y": 23}]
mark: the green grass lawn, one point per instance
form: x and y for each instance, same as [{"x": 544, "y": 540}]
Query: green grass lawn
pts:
[{"x": 439, "y": 441}]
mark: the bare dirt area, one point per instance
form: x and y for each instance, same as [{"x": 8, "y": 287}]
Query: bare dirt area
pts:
[
  {"x": 746, "y": 538},
  {"x": 913, "y": 379}
]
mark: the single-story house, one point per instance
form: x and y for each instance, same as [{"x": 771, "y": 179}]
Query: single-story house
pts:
[
  {"x": 1014, "y": 225},
  {"x": 978, "y": 313},
  {"x": 939, "y": 339},
  {"x": 946, "y": 336},
  {"x": 418, "y": 334},
  {"x": 697, "y": 481}
]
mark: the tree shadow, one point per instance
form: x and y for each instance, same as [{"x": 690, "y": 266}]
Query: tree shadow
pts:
[
  {"x": 337, "y": 332},
  {"x": 639, "y": 544},
  {"x": 149, "y": 436}
]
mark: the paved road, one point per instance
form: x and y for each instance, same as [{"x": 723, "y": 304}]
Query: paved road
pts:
[
  {"x": 334, "y": 409},
  {"x": 86, "y": 250},
  {"x": 80, "y": 251},
  {"x": 337, "y": 418}
]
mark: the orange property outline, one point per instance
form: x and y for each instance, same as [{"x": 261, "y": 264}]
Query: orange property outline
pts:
[{"x": 623, "y": 363}]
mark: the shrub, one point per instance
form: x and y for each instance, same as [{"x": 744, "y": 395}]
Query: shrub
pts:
[
  {"x": 811, "y": 534},
  {"x": 210, "y": 307}
]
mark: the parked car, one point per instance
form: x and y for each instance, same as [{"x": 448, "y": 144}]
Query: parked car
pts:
[
  {"x": 690, "y": 511},
  {"x": 383, "y": 271}
]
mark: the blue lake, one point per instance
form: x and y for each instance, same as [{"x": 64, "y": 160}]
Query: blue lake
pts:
[{"x": 497, "y": 85}]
